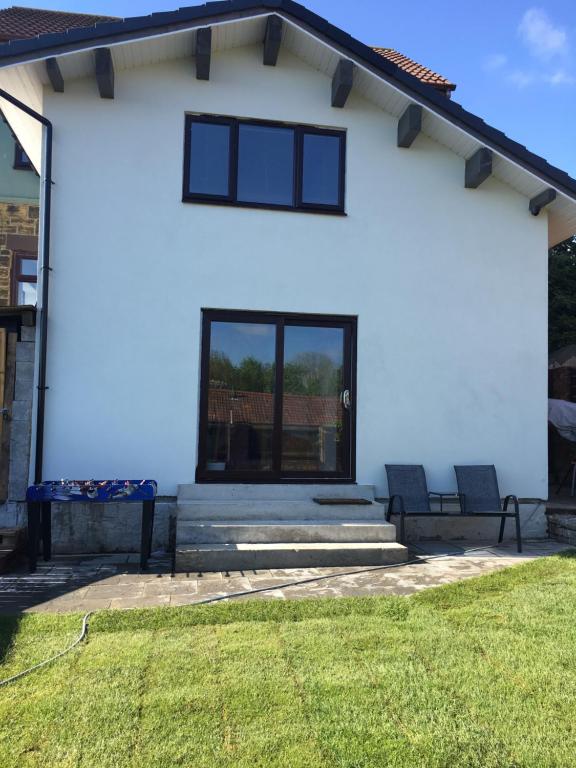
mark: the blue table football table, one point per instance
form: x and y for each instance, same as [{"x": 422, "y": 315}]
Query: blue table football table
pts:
[{"x": 41, "y": 496}]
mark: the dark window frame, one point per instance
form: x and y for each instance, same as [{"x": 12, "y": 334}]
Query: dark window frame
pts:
[
  {"x": 281, "y": 320},
  {"x": 17, "y": 276},
  {"x": 231, "y": 198},
  {"x": 19, "y": 163}
]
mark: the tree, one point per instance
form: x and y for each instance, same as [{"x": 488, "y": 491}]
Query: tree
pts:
[{"x": 562, "y": 294}]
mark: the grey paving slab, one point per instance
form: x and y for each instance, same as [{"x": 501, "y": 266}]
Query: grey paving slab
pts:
[{"x": 93, "y": 583}]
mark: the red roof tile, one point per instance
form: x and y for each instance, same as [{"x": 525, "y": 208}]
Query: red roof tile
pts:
[
  {"x": 18, "y": 23},
  {"x": 226, "y": 407},
  {"x": 423, "y": 74}
]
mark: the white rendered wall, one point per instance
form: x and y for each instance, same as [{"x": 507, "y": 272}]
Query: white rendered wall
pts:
[{"x": 449, "y": 284}]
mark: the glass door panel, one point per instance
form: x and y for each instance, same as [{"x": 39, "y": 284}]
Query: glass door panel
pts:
[
  {"x": 241, "y": 383},
  {"x": 275, "y": 397},
  {"x": 312, "y": 410}
]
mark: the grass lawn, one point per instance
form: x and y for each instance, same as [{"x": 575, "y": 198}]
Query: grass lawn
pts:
[{"x": 479, "y": 673}]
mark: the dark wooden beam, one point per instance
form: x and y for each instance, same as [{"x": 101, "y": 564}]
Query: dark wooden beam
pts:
[
  {"x": 342, "y": 82},
  {"x": 409, "y": 125},
  {"x": 478, "y": 168},
  {"x": 104, "y": 72},
  {"x": 272, "y": 40},
  {"x": 541, "y": 201},
  {"x": 55, "y": 75},
  {"x": 203, "y": 53}
]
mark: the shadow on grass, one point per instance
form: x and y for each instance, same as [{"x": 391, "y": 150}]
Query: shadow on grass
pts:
[{"x": 568, "y": 554}]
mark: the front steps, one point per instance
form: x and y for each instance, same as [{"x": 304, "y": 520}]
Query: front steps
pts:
[{"x": 250, "y": 527}]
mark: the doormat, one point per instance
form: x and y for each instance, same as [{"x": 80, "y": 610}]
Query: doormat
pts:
[{"x": 340, "y": 501}]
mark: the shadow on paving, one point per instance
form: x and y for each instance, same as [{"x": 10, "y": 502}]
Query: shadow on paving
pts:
[
  {"x": 21, "y": 590},
  {"x": 65, "y": 576}
]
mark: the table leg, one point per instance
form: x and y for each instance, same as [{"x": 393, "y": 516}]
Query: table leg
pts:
[
  {"x": 33, "y": 532},
  {"x": 151, "y": 525},
  {"x": 47, "y": 530},
  {"x": 146, "y": 534}
]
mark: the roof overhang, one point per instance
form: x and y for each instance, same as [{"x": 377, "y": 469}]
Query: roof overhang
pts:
[{"x": 145, "y": 40}]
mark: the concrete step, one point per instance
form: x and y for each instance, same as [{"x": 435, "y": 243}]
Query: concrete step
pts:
[
  {"x": 12, "y": 538},
  {"x": 276, "y": 509},
  {"x": 271, "y": 492},
  {"x": 239, "y": 557},
  {"x": 275, "y": 531}
]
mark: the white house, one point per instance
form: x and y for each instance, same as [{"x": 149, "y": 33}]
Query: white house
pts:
[{"x": 278, "y": 259}]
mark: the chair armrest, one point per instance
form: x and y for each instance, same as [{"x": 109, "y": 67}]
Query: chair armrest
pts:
[
  {"x": 514, "y": 500},
  {"x": 399, "y": 499},
  {"x": 442, "y": 495}
]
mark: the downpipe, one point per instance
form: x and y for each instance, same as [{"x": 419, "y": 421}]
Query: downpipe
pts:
[{"x": 46, "y": 203}]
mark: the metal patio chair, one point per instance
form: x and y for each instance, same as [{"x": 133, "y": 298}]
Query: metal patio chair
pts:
[
  {"x": 409, "y": 495},
  {"x": 480, "y": 496}
]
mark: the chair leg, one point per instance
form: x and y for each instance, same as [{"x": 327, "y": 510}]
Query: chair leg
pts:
[
  {"x": 518, "y": 535},
  {"x": 501, "y": 534},
  {"x": 402, "y": 528}
]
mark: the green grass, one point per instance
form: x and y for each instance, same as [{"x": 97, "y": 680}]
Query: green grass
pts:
[{"x": 479, "y": 673}]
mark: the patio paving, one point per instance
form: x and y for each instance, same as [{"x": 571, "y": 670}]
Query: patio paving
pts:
[{"x": 87, "y": 583}]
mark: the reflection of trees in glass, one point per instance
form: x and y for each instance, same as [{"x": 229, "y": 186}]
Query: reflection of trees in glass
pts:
[
  {"x": 312, "y": 373},
  {"x": 250, "y": 375},
  {"x": 309, "y": 373}
]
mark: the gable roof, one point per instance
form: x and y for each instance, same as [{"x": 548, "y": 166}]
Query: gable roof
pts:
[
  {"x": 17, "y": 23},
  {"x": 419, "y": 71},
  {"x": 444, "y": 119}
]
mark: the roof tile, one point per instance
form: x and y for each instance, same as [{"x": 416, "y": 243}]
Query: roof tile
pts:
[
  {"x": 18, "y": 23},
  {"x": 415, "y": 69}
]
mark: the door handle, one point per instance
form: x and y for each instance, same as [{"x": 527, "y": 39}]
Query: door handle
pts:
[{"x": 345, "y": 397}]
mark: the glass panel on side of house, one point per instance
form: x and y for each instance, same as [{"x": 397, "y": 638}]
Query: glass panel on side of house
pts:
[
  {"x": 209, "y": 159},
  {"x": 241, "y": 397},
  {"x": 312, "y": 413},
  {"x": 265, "y": 165},
  {"x": 321, "y": 169}
]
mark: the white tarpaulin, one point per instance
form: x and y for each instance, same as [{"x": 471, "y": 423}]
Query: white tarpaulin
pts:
[{"x": 562, "y": 414}]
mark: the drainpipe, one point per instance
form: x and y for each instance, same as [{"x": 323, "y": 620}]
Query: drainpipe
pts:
[{"x": 45, "y": 272}]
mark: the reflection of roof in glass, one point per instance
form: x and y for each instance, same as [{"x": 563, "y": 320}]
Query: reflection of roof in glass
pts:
[{"x": 255, "y": 408}]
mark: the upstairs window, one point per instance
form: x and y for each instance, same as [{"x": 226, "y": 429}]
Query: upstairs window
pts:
[
  {"x": 258, "y": 164},
  {"x": 21, "y": 160},
  {"x": 25, "y": 268}
]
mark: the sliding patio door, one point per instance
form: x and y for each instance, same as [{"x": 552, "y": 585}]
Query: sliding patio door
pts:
[{"x": 276, "y": 397}]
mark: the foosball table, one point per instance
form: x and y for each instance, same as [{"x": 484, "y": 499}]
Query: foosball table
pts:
[{"x": 41, "y": 496}]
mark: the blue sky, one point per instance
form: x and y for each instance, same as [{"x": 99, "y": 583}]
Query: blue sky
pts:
[{"x": 514, "y": 60}]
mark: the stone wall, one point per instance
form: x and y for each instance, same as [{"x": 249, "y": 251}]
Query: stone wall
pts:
[
  {"x": 13, "y": 511},
  {"x": 18, "y": 224},
  {"x": 533, "y": 525},
  {"x": 562, "y": 527},
  {"x": 80, "y": 528}
]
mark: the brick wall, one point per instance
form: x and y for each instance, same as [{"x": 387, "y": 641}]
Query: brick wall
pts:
[{"x": 18, "y": 222}]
